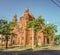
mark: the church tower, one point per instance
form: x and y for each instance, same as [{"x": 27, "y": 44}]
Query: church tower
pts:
[
  {"x": 14, "y": 18},
  {"x": 26, "y": 16}
]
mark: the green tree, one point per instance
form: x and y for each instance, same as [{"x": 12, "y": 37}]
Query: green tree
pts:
[
  {"x": 49, "y": 30},
  {"x": 36, "y": 26},
  {"x": 57, "y": 39},
  {"x": 6, "y": 29}
]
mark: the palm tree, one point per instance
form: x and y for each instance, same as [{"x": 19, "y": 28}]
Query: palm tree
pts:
[
  {"x": 49, "y": 30},
  {"x": 6, "y": 29},
  {"x": 36, "y": 26}
]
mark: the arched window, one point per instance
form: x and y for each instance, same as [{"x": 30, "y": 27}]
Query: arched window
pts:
[
  {"x": 13, "y": 42},
  {"x": 22, "y": 37},
  {"x": 47, "y": 40},
  {"x": 39, "y": 41}
]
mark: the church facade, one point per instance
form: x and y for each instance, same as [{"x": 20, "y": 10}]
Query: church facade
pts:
[{"x": 24, "y": 36}]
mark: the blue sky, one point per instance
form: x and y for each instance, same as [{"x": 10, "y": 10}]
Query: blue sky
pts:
[{"x": 49, "y": 11}]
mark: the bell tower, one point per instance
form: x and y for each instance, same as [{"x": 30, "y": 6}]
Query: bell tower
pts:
[{"x": 14, "y": 18}]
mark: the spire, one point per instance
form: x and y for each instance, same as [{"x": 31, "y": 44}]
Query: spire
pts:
[
  {"x": 40, "y": 16},
  {"x": 15, "y": 15},
  {"x": 27, "y": 10},
  {"x": 14, "y": 18}
]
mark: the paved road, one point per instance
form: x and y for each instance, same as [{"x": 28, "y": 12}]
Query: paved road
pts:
[{"x": 31, "y": 52}]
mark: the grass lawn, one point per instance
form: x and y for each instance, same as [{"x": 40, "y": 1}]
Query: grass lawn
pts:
[
  {"x": 14, "y": 48},
  {"x": 18, "y": 48},
  {"x": 50, "y": 47}
]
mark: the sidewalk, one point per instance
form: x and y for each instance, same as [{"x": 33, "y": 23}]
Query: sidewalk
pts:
[
  {"x": 35, "y": 49},
  {"x": 48, "y": 48},
  {"x": 15, "y": 49}
]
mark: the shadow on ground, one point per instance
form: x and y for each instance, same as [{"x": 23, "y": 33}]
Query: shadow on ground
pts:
[{"x": 31, "y": 52}]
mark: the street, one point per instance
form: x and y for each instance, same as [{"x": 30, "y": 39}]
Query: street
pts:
[{"x": 31, "y": 52}]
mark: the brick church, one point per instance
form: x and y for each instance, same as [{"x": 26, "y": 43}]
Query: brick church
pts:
[{"x": 24, "y": 36}]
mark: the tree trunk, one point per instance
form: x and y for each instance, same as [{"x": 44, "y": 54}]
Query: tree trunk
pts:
[
  {"x": 32, "y": 38},
  {"x": 6, "y": 42},
  {"x": 11, "y": 40},
  {"x": 44, "y": 40},
  {"x": 2, "y": 41}
]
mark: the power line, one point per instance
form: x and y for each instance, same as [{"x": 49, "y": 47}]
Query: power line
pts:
[{"x": 56, "y": 3}]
